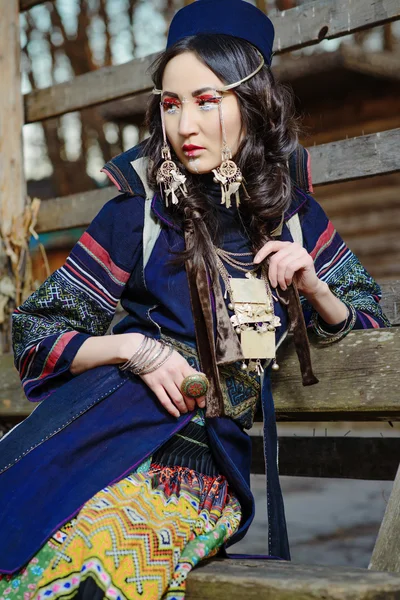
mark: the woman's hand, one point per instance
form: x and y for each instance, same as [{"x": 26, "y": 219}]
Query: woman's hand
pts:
[
  {"x": 165, "y": 381},
  {"x": 290, "y": 261}
]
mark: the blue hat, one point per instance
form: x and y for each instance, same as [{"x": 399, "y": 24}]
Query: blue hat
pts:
[{"x": 231, "y": 17}]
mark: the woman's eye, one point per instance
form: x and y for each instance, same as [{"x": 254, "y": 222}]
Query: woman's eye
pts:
[
  {"x": 170, "y": 107},
  {"x": 208, "y": 103}
]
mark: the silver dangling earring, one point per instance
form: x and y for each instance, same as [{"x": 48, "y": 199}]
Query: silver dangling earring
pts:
[
  {"x": 228, "y": 174},
  {"x": 169, "y": 177}
]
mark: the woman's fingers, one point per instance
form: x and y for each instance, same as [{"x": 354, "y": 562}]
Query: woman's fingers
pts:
[
  {"x": 166, "y": 401},
  {"x": 268, "y": 248},
  {"x": 175, "y": 395},
  {"x": 287, "y": 267},
  {"x": 190, "y": 402},
  {"x": 166, "y": 383},
  {"x": 275, "y": 262}
]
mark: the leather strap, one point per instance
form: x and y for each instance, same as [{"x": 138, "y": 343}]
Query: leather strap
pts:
[
  {"x": 290, "y": 298},
  {"x": 204, "y": 327}
]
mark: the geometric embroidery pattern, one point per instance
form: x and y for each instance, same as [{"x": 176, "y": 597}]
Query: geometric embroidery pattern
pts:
[{"x": 138, "y": 538}]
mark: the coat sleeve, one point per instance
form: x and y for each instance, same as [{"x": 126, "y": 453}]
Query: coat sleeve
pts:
[
  {"x": 338, "y": 266},
  {"x": 79, "y": 299}
]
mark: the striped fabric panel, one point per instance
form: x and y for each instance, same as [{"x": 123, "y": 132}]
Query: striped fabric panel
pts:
[
  {"x": 77, "y": 301},
  {"x": 51, "y": 361}
]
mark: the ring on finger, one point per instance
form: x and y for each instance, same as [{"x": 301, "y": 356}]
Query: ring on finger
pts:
[{"x": 195, "y": 385}]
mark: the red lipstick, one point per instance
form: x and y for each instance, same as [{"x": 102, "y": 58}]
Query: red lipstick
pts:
[
  {"x": 191, "y": 150},
  {"x": 189, "y": 147}
]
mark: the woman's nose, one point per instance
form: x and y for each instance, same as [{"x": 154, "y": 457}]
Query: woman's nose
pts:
[{"x": 188, "y": 123}]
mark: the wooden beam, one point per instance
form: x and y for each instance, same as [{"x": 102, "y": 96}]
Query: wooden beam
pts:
[
  {"x": 338, "y": 161},
  {"x": 342, "y": 457},
  {"x": 241, "y": 579},
  {"x": 381, "y": 64},
  {"x": 297, "y": 27},
  {"x": 358, "y": 377},
  {"x": 292, "y": 68},
  {"x": 351, "y": 202},
  {"x": 76, "y": 210},
  {"x": 363, "y": 156},
  {"x": 312, "y": 22},
  {"x": 96, "y": 87},
  {"x": 386, "y": 553},
  {"x": 12, "y": 182},
  {"x": 358, "y": 380},
  {"x": 364, "y": 224}
]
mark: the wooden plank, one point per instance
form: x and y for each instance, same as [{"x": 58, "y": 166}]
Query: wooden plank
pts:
[
  {"x": 338, "y": 161},
  {"x": 219, "y": 579},
  {"x": 312, "y": 22},
  {"x": 13, "y": 402},
  {"x": 297, "y": 27},
  {"x": 76, "y": 210},
  {"x": 380, "y": 64},
  {"x": 90, "y": 89},
  {"x": 358, "y": 376},
  {"x": 12, "y": 182},
  {"x": 386, "y": 553},
  {"x": 363, "y": 156},
  {"x": 358, "y": 381},
  {"x": 342, "y": 457},
  {"x": 369, "y": 222}
]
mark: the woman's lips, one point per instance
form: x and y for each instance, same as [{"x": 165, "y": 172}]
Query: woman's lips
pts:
[{"x": 192, "y": 151}]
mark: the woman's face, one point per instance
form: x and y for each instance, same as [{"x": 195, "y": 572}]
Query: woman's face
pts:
[{"x": 192, "y": 121}]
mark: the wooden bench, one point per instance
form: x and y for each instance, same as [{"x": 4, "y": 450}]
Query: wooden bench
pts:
[
  {"x": 274, "y": 580},
  {"x": 358, "y": 377}
]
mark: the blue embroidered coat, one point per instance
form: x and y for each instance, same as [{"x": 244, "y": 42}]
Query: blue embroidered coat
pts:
[{"x": 92, "y": 429}]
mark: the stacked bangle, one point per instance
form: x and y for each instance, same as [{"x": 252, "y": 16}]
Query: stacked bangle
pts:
[
  {"x": 144, "y": 360},
  {"x": 327, "y": 337}
]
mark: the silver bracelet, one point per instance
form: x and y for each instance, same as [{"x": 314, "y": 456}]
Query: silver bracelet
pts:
[
  {"x": 127, "y": 364},
  {"x": 155, "y": 367},
  {"x": 146, "y": 355},
  {"x": 325, "y": 337},
  {"x": 152, "y": 359}
]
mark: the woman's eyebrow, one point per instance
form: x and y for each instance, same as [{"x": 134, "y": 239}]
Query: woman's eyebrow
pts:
[
  {"x": 194, "y": 94},
  {"x": 202, "y": 90},
  {"x": 171, "y": 94}
]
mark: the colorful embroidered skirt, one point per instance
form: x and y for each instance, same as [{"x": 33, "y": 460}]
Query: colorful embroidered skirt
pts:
[{"x": 138, "y": 538}]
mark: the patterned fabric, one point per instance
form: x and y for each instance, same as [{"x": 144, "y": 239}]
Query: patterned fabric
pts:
[
  {"x": 138, "y": 538},
  {"x": 188, "y": 448},
  {"x": 241, "y": 389},
  {"x": 76, "y": 301},
  {"x": 336, "y": 264},
  {"x": 300, "y": 168}
]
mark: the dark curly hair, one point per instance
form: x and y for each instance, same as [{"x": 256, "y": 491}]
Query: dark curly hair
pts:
[{"x": 267, "y": 112}]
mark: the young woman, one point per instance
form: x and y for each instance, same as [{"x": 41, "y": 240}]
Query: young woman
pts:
[{"x": 135, "y": 465}]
